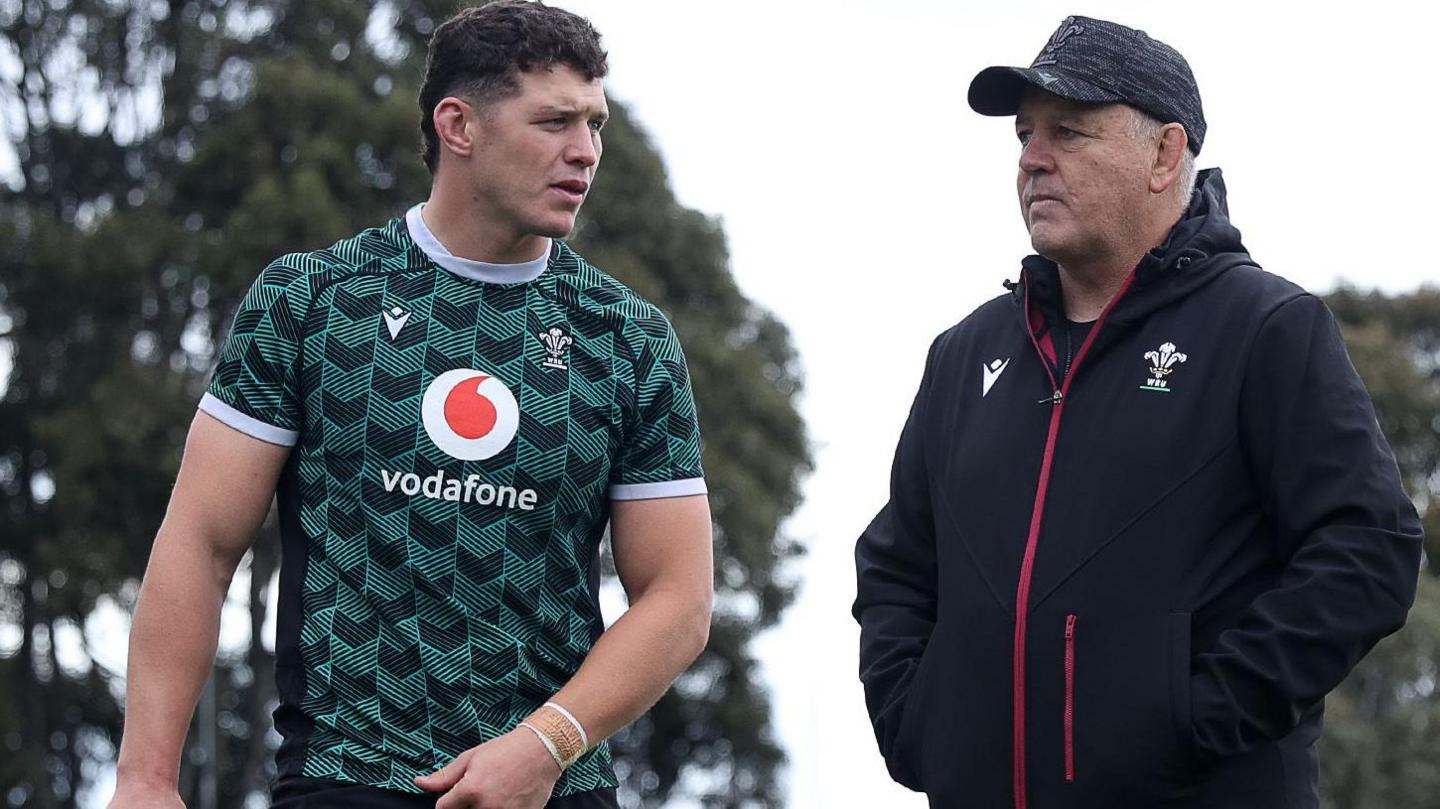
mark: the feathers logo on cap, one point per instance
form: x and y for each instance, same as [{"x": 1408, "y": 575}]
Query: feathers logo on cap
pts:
[{"x": 1067, "y": 29}]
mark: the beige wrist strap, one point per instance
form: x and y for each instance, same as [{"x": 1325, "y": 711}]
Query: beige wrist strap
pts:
[
  {"x": 561, "y": 733},
  {"x": 545, "y": 740},
  {"x": 579, "y": 728}
]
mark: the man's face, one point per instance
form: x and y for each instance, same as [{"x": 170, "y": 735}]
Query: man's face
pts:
[
  {"x": 1083, "y": 180},
  {"x": 536, "y": 152}
]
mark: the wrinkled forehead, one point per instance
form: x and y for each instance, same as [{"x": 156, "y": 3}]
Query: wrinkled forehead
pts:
[{"x": 1038, "y": 104}]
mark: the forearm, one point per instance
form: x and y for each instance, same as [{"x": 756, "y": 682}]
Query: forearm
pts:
[
  {"x": 172, "y": 648},
  {"x": 895, "y": 601},
  {"x": 636, "y": 660},
  {"x": 1341, "y": 594},
  {"x": 1337, "y": 515},
  {"x": 895, "y": 563}
]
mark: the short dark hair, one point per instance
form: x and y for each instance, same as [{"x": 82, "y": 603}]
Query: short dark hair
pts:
[{"x": 480, "y": 52}]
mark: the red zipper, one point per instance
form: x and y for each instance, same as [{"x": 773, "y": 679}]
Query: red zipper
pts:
[
  {"x": 1070, "y": 698},
  {"x": 1037, "y": 512}
]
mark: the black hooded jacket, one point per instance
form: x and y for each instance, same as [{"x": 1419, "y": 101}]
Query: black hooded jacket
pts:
[{"x": 1200, "y": 528}]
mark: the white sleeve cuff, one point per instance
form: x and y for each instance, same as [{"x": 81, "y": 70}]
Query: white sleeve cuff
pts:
[
  {"x": 249, "y": 425},
  {"x": 655, "y": 491}
]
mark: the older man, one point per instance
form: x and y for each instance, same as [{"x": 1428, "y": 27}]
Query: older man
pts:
[{"x": 1141, "y": 517}]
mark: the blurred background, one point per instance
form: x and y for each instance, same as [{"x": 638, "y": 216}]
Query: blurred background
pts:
[{"x": 799, "y": 185}]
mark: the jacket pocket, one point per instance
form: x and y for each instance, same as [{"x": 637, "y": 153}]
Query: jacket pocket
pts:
[
  {"x": 1069, "y": 717},
  {"x": 1119, "y": 741},
  {"x": 1179, "y": 629}
]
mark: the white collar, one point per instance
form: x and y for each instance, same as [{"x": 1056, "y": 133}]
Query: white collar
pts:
[{"x": 469, "y": 268}]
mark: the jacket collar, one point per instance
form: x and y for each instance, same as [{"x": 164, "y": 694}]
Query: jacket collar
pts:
[{"x": 1201, "y": 246}]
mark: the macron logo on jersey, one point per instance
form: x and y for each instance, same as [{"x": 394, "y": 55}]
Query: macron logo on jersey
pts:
[
  {"x": 470, "y": 415},
  {"x": 395, "y": 321}
]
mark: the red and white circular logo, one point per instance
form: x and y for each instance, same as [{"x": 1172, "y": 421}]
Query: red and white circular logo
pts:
[{"x": 469, "y": 414}]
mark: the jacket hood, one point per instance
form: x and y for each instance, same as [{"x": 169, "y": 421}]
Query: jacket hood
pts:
[{"x": 1200, "y": 247}]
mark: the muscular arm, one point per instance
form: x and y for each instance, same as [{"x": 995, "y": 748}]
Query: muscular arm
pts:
[
  {"x": 222, "y": 494},
  {"x": 663, "y": 555}
]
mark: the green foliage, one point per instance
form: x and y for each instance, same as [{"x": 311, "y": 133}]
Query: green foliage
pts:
[{"x": 126, "y": 244}]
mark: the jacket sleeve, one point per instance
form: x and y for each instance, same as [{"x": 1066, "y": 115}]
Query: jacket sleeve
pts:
[
  {"x": 1330, "y": 489},
  {"x": 895, "y": 602}
]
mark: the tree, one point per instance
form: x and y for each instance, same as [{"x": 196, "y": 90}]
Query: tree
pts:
[
  {"x": 1383, "y": 723},
  {"x": 128, "y": 237}
]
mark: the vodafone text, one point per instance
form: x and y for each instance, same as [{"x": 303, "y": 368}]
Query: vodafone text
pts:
[{"x": 440, "y": 487}]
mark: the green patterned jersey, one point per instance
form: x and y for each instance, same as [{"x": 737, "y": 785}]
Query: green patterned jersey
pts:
[{"x": 459, "y": 430}]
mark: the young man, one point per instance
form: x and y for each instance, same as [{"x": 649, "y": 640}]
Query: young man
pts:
[
  {"x": 451, "y": 409},
  {"x": 1142, "y": 518}
]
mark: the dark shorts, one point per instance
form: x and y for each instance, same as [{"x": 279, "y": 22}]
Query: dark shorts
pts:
[{"x": 321, "y": 793}]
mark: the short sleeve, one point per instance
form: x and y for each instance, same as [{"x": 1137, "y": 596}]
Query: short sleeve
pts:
[
  {"x": 255, "y": 385},
  {"x": 660, "y": 456}
]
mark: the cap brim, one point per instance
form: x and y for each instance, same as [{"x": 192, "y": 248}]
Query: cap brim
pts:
[{"x": 997, "y": 90}]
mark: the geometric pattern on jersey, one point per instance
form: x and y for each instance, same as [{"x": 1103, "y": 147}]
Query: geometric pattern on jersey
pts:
[{"x": 429, "y": 602}]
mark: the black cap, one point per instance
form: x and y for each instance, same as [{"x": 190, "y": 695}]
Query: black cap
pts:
[{"x": 1100, "y": 62}]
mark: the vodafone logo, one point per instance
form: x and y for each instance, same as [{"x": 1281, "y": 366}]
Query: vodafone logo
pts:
[{"x": 469, "y": 414}]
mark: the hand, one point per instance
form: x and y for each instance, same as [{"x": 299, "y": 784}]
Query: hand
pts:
[
  {"x": 138, "y": 795},
  {"x": 513, "y": 771}
]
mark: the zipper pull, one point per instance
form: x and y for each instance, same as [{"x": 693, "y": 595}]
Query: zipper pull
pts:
[
  {"x": 1069, "y": 626},
  {"x": 1053, "y": 398}
]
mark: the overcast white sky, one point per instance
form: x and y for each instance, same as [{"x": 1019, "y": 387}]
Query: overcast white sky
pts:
[{"x": 869, "y": 208}]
